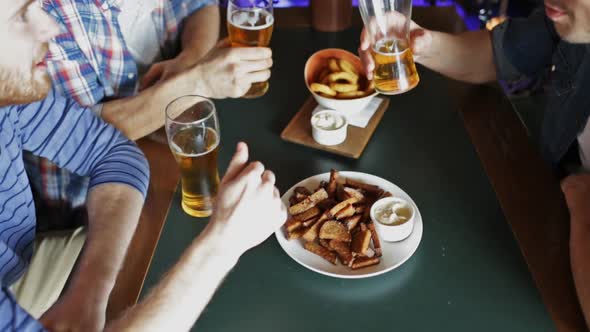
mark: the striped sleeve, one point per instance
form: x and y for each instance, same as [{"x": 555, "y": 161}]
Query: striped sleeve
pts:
[
  {"x": 77, "y": 140},
  {"x": 13, "y": 317}
]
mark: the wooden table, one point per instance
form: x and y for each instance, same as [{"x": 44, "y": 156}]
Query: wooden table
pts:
[{"x": 513, "y": 167}]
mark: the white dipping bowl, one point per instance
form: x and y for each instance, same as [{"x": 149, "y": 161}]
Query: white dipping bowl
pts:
[
  {"x": 393, "y": 233},
  {"x": 329, "y": 137}
]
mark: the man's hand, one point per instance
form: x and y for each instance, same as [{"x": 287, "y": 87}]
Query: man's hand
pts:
[
  {"x": 420, "y": 40},
  {"x": 576, "y": 189},
  {"x": 75, "y": 311},
  {"x": 230, "y": 71},
  {"x": 248, "y": 207}
]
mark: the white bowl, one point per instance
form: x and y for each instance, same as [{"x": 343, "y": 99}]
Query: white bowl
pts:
[
  {"x": 317, "y": 63},
  {"x": 329, "y": 136},
  {"x": 393, "y": 233}
]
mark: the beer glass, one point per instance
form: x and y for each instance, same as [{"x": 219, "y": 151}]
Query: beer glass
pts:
[
  {"x": 250, "y": 23},
  {"x": 387, "y": 23},
  {"x": 192, "y": 129}
]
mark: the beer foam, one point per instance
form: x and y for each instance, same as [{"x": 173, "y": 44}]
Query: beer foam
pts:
[
  {"x": 248, "y": 19},
  {"x": 197, "y": 143}
]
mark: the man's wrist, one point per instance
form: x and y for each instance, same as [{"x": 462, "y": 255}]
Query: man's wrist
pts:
[{"x": 212, "y": 244}]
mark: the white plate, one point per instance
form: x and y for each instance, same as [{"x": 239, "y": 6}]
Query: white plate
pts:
[{"x": 394, "y": 253}]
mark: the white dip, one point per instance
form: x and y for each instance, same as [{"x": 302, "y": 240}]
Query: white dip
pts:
[
  {"x": 327, "y": 121},
  {"x": 393, "y": 213}
]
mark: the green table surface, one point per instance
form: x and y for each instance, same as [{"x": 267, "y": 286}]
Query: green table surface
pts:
[{"x": 468, "y": 273}]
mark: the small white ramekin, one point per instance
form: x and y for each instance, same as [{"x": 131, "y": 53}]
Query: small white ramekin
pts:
[
  {"x": 329, "y": 137},
  {"x": 393, "y": 233}
]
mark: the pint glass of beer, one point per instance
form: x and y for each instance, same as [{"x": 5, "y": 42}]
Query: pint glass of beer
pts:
[
  {"x": 387, "y": 22},
  {"x": 192, "y": 129},
  {"x": 250, "y": 23}
]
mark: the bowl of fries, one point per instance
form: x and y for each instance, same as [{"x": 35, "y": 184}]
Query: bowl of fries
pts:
[{"x": 335, "y": 79}]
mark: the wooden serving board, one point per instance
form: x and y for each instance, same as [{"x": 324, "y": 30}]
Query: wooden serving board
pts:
[{"x": 299, "y": 131}]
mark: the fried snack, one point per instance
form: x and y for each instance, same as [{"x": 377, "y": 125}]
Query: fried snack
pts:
[
  {"x": 343, "y": 87},
  {"x": 343, "y": 76},
  {"x": 320, "y": 251},
  {"x": 324, "y": 73},
  {"x": 325, "y": 243},
  {"x": 352, "y": 222},
  {"x": 360, "y": 242},
  {"x": 309, "y": 214},
  {"x": 342, "y": 249},
  {"x": 348, "y": 211},
  {"x": 370, "y": 88},
  {"x": 375, "y": 239},
  {"x": 333, "y": 230},
  {"x": 386, "y": 194},
  {"x": 309, "y": 202},
  {"x": 350, "y": 94},
  {"x": 360, "y": 262},
  {"x": 303, "y": 191},
  {"x": 354, "y": 193},
  {"x": 333, "y": 184},
  {"x": 334, "y": 221},
  {"x": 333, "y": 65},
  {"x": 322, "y": 88},
  {"x": 292, "y": 224},
  {"x": 342, "y": 205},
  {"x": 366, "y": 187},
  {"x": 347, "y": 67},
  {"x": 296, "y": 234},
  {"x": 312, "y": 232},
  {"x": 311, "y": 222}
]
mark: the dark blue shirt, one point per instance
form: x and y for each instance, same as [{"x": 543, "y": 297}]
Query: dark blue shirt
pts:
[{"x": 530, "y": 47}]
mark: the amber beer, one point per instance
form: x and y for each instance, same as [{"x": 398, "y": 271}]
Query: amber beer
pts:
[
  {"x": 395, "y": 71},
  {"x": 195, "y": 150},
  {"x": 251, "y": 27}
]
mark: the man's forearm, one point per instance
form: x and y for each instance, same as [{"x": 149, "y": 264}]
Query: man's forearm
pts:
[
  {"x": 466, "y": 57},
  {"x": 200, "y": 32},
  {"x": 144, "y": 113},
  {"x": 113, "y": 213},
  {"x": 185, "y": 290},
  {"x": 577, "y": 193}
]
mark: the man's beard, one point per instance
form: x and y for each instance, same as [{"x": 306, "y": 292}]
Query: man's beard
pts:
[{"x": 16, "y": 88}]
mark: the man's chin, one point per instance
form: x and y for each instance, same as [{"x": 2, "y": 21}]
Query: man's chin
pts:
[{"x": 25, "y": 96}]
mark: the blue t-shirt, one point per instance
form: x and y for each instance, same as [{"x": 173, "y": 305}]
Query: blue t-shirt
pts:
[{"x": 73, "y": 138}]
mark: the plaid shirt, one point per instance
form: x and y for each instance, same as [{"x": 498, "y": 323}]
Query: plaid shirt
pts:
[{"x": 89, "y": 62}]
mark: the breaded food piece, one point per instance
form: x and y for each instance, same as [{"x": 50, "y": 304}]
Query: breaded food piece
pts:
[
  {"x": 354, "y": 193},
  {"x": 347, "y": 67},
  {"x": 292, "y": 224},
  {"x": 351, "y": 222},
  {"x": 343, "y": 87},
  {"x": 333, "y": 183},
  {"x": 323, "y": 74},
  {"x": 309, "y": 202},
  {"x": 322, "y": 88},
  {"x": 344, "y": 76},
  {"x": 361, "y": 241},
  {"x": 360, "y": 262},
  {"x": 360, "y": 185},
  {"x": 320, "y": 251},
  {"x": 342, "y": 249},
  {"x": 325, "y": 243},
  {"x": 348, "y": 211},
  {"x": 309, "y": 214},
  {"x": 312, "y": 232},
  {"x": 311, "y": 222},
  {"x": 344, "y": 204},
  {"x": 333, "y": 65},
  {"x": 360, "y": 209},
  {"x": 334, "y": 230},
  {"x": 296, "y": 234},
  {"x": 375, "y": 239},
  {"x": 327, "y": 204}
]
